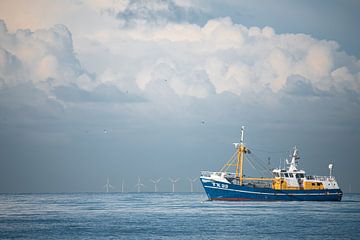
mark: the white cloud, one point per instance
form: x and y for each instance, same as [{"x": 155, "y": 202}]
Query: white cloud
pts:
[
  {"x": 194, "y": 60},
  {"x": 234, "y": 57},
  {"x": 44, "y": 58},
  {"x": 343, "y": 77},
  {"x": 230, "y": 57},
  {"x": 47, "y": 68},
  {"x": 319, "y": 60}
]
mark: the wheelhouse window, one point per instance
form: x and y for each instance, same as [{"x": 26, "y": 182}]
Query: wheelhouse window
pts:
[
  {"x": 286, "y": 175},
  {"x": 291, "y": 175}
]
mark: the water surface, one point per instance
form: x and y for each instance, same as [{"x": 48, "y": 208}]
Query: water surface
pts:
[{"x": 172, "y": 216}]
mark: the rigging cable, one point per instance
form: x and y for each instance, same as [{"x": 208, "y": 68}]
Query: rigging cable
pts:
[
  {"x": 227, "y": 165},
  {"x": 266, "y": 151}
]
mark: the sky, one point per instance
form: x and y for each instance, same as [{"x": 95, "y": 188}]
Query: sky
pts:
[{"x": 118, "y": 89}]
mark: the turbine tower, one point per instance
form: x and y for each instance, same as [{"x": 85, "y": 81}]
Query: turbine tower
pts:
[
  {"x": 107, "y": 186},
  {"x": 192, "y": 183},
  {"x": 155, "y": 183},
  {"x": 139, "y": 185},
  {"x": 175, "y": 180},
  {"x": 122, "y": 185}
]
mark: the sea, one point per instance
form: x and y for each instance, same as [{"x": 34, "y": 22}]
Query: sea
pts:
[{"x": 172, "y": 216}]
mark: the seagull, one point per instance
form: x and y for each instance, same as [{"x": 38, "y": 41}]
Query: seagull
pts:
[{"x": 105, "y": 131}]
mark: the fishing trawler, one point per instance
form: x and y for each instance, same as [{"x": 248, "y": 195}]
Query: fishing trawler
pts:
[{"x": 289, "y": 184}]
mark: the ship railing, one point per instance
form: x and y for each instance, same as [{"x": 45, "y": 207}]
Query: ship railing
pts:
[
  {"x": 219, "y": 174},
  {"x": 206, "y": 173},
  {"x": 321, "y": 178}
]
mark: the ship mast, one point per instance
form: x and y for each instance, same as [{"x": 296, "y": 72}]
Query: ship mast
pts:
[{"x": 241, "y": 151}]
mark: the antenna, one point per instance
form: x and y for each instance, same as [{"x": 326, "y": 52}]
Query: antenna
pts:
[
  {"x": 242, "y": 135},
  {"x": 173, "y": 183},
  {"x": 284, "y": 163},
  {"x": 107, "y": 186},
  {"x": 155, "y": 183},
  {"x": 192, "y": 183},
  {"x": 331, "y": 166},
  {"x": 139, "y": 185},
  {"x": 280, "y": 163}
]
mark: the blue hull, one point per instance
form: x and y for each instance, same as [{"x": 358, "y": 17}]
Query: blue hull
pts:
[{"x": 232, "y": 192}]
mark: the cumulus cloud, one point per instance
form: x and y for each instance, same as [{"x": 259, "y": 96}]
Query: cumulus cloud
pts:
[
  {"x": 159, "y": 37},
  {"x": 193, "y": 60},
  {"x": 233, "y": 57},
  {"x": 164, "y": 47},
  {"x": 46, "y": 59},
  {"x": 40, "y": 55}
]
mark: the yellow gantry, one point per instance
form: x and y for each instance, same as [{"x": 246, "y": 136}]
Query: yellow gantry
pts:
[{"x": 239, "y": 165}]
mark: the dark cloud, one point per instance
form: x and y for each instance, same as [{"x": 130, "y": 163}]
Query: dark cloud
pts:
[
  {"x": 297, "y": 85},
  {"x": 159, "y": 12},
  {"x": 102, "y": 93},
  {"x": 26, "y": 103},
  {"x": 11, "y": 69}
]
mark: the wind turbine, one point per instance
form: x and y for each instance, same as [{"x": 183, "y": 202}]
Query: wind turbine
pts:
[
  {"x": 108, "y": 185},
  {"x": 122, "y": 185},
  {"x": 155, "y": 183},
  {"x": 173, "y": 183},
  {"x": 139, "y": 185},
  {"x": 192, "y": 183}
]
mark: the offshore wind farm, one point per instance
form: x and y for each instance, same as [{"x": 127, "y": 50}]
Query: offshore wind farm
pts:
[{"x": 140, "y": 186}]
